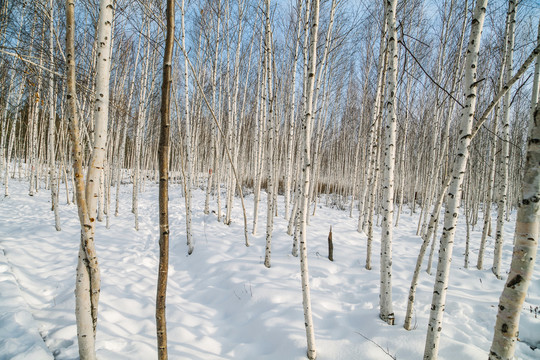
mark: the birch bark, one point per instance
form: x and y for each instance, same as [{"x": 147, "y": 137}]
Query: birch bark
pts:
[
  {"x": 235, "y": 121},
  {"x": 34, "y": 125},
  {"x": 122, "y": 147},
  {"x": 139, "y": 123},
  {"x": 526, "y": 243},
  {"x": 260, "y": 116},
  {"x": 385, "y": 299},
  {"x": 505, "y": 149},
  {"x": 290, "y": 135},
  {"x": 492, "y": 167},
  {"x": 270, "y": 142},
  {"x": 453, "y": 197},
  {"x": 373, "y": 130},
  {"x": 88, "y": 277},
  {"x": 304, "y": 194},
  {"x": 52, "y": 126},
  {"x": 101, "y": 105},
  {"x": 431, "y": 230},
  {"x": 213, "y": 142},
  {"x": 4, "y": 118},
  {"x": 189, "y": 166}
]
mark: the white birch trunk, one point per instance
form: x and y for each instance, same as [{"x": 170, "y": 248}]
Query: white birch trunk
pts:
[
  {"x": 372, "y": 142},
  {"x": 270, "y": 142},
  {"x": 101, "y": 105},
  {"x": 536, "y": 79},
  {"x": 323, "y": 69},
  {"x": 374, "y": 186},
  {"x": 213, "y": 140},
  {"x": 234, "y": 119},
  {"x": 304, "y": 194},
  {"x": 141, "y": 118},
  {"x": 290, "y": 135},
  {"x": 526, "y": 242},
  {"x": 260, "y": 116},
  {"x": 11, "y": 141},
  {"x": 505, "y": 149},
  {"x": 88, "y": 278},
  {"x": 34, "y": 145},
  {"x": 52, "y": 123},
  {"x": 431, "y": 230},
  {"x": 122, "y": 148},
  {"x": 402, "y": 168},
  {"x": 189, "y": 167},
  {"x": 4, "y": 162},
  {"x": 453, "y": 196},
  {"x": 359, "y": 141},
  {"x": 491, "y": 181},
  {"x": 385, "y": 299},
  {"x": 294, "y": 219}
]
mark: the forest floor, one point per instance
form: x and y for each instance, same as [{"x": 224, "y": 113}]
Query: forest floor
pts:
[{"x": 222, "y": 303}]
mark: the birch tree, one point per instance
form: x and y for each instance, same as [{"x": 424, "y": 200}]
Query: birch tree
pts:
[
  {"x": 34, "y": 124},
  {"x": 4, "y": 118},
  {"x": 259, "y": 131},
  {"x": 52, "y": 125},
  {"x": 385, "y": 299},
  {"x": 526, "y": 241},
  {"x": 213, "y": 145},
  {"x": 370, "y": 171},
  {"x": 453, "y": 196},
  {"x": 88, "y": 278},
  {"x": 505, "y": 149},
  {"x": 189, "y": 167},
  {"x": 431, "y": 230},
  {"x": 139, "y": 124},
  {"x": 270, "y": 140},
  {"x": 290, "y": 134},
  {"x": 306, "y": 169}
]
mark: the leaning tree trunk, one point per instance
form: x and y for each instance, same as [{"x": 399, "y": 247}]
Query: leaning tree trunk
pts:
[
  {"x": 163, "y": 158},
  {"x": 453, "y": 197},
  {"x": 526, "y": 245}
]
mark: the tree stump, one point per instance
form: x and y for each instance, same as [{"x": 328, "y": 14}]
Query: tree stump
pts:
[{"x": 330, "y": 246}]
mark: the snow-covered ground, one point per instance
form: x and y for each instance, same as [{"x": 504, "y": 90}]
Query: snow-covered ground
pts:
[{"x": 222, "y": 302}]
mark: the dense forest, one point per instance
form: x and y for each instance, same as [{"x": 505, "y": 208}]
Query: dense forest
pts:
[{"x": 377, "y": 108}]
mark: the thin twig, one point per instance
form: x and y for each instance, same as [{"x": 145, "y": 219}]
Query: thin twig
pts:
[
  {"x": 379, "y": 346},
  {"x": 402, "y": 42},
  {"x": 519, "y": 88}
]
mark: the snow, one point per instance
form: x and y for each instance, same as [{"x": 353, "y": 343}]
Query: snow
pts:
[
  {"x": 222, "y": 302},
  {"x": 19, "y": 338}
]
